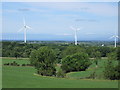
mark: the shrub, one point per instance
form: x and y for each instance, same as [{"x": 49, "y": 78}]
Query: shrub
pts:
[
  {"x": 60, "y": 74},
  {"x": 111, "y": 71},
  {"x": 6, "y": 64},
  {"x": 75, "y": 62},
  {"x": 70, "y": 50},
  {"x": 112, "y": 56},
  {"x": 44, "y": 61},
  {"x": 23, "y": 65},
  {"x": 93, "y": 75}
]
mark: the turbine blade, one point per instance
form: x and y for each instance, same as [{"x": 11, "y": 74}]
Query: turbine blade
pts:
[
  {"x": 24, "y": 21},
  {"x": 117, "y": 37},
  {"x": 72, "y": 28},
  {"x": 111, "y": 37},
  {"x": 21, "y": 29},
  {"x": 28, "y": 27},
  {"x": 78, "y": 29}
]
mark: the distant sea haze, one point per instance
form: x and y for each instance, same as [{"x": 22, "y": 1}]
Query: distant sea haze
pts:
[{"x": 52, "y": 37}]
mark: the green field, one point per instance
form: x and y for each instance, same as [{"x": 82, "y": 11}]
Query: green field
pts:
[
  {"x": 82, "y": 74},
  {"x": 25, "y": 77},
  {"x": 20, "y": 60}
]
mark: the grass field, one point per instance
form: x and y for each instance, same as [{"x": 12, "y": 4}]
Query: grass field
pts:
[
  {"x": 25, "y": 77},
  {"x": 98, "y": 71},
  {"x": 19, "y": 61}
]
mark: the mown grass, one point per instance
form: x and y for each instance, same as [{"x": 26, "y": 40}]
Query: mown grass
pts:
[
  {"x": 25, "y": 77},
  {"x": 98, "y": 71},
  {"x": 19, "y": 61}
]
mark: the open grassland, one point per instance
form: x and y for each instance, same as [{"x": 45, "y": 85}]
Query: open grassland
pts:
[
  {"x": 91, "y": 70},
  {"x": 25, "y": 77},
  {"x": 97, "y": 71},
  {"x": 19, "y": 61}
]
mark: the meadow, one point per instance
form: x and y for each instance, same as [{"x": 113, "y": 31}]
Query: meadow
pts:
[{"x": 25, "y": 77}]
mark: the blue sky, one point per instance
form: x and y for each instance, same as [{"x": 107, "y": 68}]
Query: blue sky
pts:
[{"x": 52, "y": 20}]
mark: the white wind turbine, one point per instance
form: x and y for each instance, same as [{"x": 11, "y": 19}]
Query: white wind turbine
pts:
[
  {"x": 75, "y": 30},
  {"x": 25, "y": 27},
  {"x": 115, "y": 39}
]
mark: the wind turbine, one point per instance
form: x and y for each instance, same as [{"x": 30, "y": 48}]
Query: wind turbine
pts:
[
  {"x": 25, "y": 27},
  {"x": 115, "y": 39},
  {"x": 75, "y": 30}
]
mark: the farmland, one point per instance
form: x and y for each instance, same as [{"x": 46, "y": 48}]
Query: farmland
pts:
[
  {"x": 25, "y": 77},
  {"x": 53, "y": 65}
]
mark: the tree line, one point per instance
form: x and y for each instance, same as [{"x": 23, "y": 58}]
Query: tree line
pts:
[
  {"x": 44, "y": 57},
  {"x": 24, "y": 50}
]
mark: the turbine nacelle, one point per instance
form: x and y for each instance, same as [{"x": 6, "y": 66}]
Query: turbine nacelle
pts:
[
  {"x": 25, "y": 27},
  {"x": 75, "y": 30},
  {"x": 114, "y": 36},
  {"x": 115, "y": 39}
]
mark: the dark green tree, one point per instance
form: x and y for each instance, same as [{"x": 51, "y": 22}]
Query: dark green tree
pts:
[
  {"x": 112, "y": 71},
  {"x": 44, "y": 61},
  {"x": 17, "y": 52},
  {"x": 96, "y": 56},
  {"x": 112, "y": 56},
  {"x": 75, "y": 62},
  {"x": 70, "y": 50},
  {"x": 118, "y": 54}
]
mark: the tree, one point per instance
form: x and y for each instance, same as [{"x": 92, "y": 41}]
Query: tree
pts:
[
  {"x": 17, "y": 52},
  {"x": 105, "y": 50},
  {"x": 112, "y": 71},
  {"x": 44, "y": 61},
  {"x": 76, "y": 62},
  {"x": 112, "y": 56},
  {"x": 118, "y": 54},
  {"x": 60, "y": 73},
  {"x": 96, "y": 56},
  {"x": 70, "y": 50}
]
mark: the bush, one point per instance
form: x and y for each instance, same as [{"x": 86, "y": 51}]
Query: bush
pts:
[
  {"x": 23, "y": 65},
  {"x": 70, "y": 50},
  {"x": 75, "y": 62},
  {"x": 118, "y": 54},
  {"x": 44, "y": 61},
  {"x": 111, "y": 71},
  {"x": 112, "y": 56},
  {"x": 60, "y": 74},
  {"x": 14, "y": 63},
  {"x": 93, "y": 75},
  {"x": 6, "y": 64},
  {"x": 18, "y": 65}
]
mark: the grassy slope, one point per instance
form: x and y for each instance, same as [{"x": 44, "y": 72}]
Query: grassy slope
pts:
[
  {"x": 19, "y": 61},
  {"x": 23, "y": 77},
  {"x": 98, "y": 71}
]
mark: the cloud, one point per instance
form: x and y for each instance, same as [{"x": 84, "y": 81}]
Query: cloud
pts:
[
  {"x": 87, "y": 20},
  {"x": 95, "y": 8},
  {"x": 10, "y": 11},
  {"x": 24, "y": 10},
  {"x": 104, "y": 9}
]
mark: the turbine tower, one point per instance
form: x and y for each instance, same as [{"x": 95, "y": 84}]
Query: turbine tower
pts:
[
  {"x": 115, "y": 40},
  {"x": 25, "y": 27},
  {"x": 75, "y": 30},
  {"x": 115, "y": 36}
]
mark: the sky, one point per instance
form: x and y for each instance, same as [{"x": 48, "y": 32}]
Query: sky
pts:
[{"x": 52, "y": 20}]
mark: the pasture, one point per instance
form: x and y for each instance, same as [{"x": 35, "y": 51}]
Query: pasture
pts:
[{"x": 25, "y": 77}]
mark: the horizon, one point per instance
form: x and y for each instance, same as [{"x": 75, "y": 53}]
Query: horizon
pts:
[
  {"x": 52, "y": 20},
  {"x": 46, "y": 37}
]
